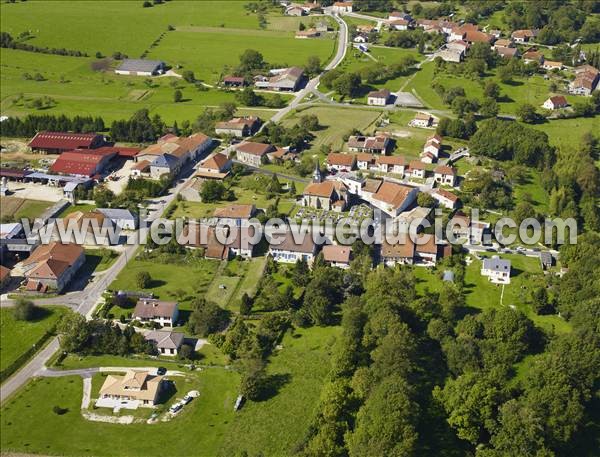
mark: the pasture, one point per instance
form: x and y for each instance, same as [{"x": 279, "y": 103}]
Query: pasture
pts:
[
  {"x": 335, "y": 122},
  {"x": 30, "y": 425},
  {"x": 15, "y": 209},
  {"x": 17, "y": 337},
  {"x": 207, "y": 37}
]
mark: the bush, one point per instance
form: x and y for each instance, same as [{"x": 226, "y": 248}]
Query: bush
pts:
[
  {"x": 143, "y": 279},
  {"x": 60, "y": 411},
  {"x": 24, "y": 310}
]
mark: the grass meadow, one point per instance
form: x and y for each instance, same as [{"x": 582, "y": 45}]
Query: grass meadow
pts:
[
  {"x": 18, "y": 208},
  {"x": 208, "y": 39},
  {"x": 30, "y": 425},
  {"x": 16, "y": 337}
]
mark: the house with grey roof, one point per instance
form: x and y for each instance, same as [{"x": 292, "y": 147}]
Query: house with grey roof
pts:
[
  {"x": 164, "y": 313},
  {"x": 165, "y": 342},
  {"x": 496, "y": 269},
  {"x": 141, "y": 67},
  {"x": 122, "y": 218}
]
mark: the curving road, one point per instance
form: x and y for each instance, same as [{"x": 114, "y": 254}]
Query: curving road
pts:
[
  {"x": 86, "y": 300},
  {"x": 313, "y": 83}
]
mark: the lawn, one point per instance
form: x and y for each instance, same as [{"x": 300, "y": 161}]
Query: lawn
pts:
[
  {"x": 16, "y": 208},
  {"x": 274, "y": 426},
  {"x": 355, "y": 61},
  {"x": 16, "y": 337},
  {"x": 208, "y": 36},
  {"x": 83, "y": 207},
  {"x": 237, "y": 277},
  {"x": 208, "y": 355},
  {"x": 180, "y": 282},
  {"x": 30, "y": 425},
  {"x": 534, "y": 90},
  {"x": 565, "y": 133},
  {"x": 482, "y": 294},
  {"x": 100, "y": 259},
  {"x": 526, "y": 271},
  {"x": 221, "y": 49},
  {"x": 246, "y": 192},
  {"x": 533, "y": 188},
  {"x": 336, "y": 123}
]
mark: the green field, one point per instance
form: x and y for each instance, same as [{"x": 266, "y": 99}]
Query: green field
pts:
[
  {"x": 356, "y": 61},
  {"x": 169, "y": 280},
  {"x": 219, "y": 48},
  {"x": 16, "y": 337},
  {"x": 274, "y": 426},
  {"x": 566, "y": 133},
  {"x": 29, "y": 424},
  {"x": 336, "y": 123},
  {"x": 534, "y": 90},
  {"x": 15, "y": 208},
  {"x": 203, "y": 41},
  {"x": 238, "y": 277}
]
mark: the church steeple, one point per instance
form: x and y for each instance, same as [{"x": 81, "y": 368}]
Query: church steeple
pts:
[{"x": 317, "y": 176}]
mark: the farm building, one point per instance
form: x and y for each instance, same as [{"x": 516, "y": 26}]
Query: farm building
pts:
[
  {"x": 170, "y": 153},
  {"x": 234, "y": 81},
  {"x": 52, "y": 266},
  {"x": 215, "y": 167},
  {"x": 379, "y": 144},
  {"x": 57, "y": 142},
  {"x": 252, "y": 153},
  {"x": 141, "y": 67},
  {"x": 238, "y": 126},
  {"x": 379, "y": 97},
  {"x": 86, "y": 163}
]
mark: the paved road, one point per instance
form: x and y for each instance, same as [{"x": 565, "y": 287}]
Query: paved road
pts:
[
  {"x": 313, "y": 83},
  {"x": 85, "y": 301}
]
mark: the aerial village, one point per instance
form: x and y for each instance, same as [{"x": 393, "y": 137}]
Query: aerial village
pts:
[{"x": 153, "y": 330}]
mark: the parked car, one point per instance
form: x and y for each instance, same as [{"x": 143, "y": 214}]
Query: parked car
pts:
[
  {"x": 186, "y": 399},
  {"x": 176, "y": 407},
  {"x": 161, "y": 371}
]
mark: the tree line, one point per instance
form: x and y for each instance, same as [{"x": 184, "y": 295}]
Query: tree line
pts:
[{"x": 7, "y": 41}]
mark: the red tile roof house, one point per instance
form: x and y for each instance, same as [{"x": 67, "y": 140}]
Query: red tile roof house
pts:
[
  {"x": 216, "y": 166},
  {"x": 393, "y": 198},
  {"x": 57, "y": 142},
  {"x": 340, "y": 162},
  {"x": 445, "y": 198},
  {"x": 251, "y": 153},
  {"x": 523, "y": 36},
  {"x": 364, "y": 160},
  {"x": 171, "y": 152},
  {"x": 337, "y": 256},
  {"x": 391, "y": 164},
  {"x": 83, "y": 162},
  {"x": 417, "y": 169},
  {"x": 328, "y": 195},
  {"x": 556, "y": 102},
  {"x": 445, "y": 175},
  {"x": 234, "y": 214},
  {"x": 234, "y": 81},
  {"x": 164, "y": 313},
  {"x": 379, "y": 144},
  {"x": 287, "y": 250},
  {"x": 52, "y": 265},
  {"x": 238, "y": 126}
]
